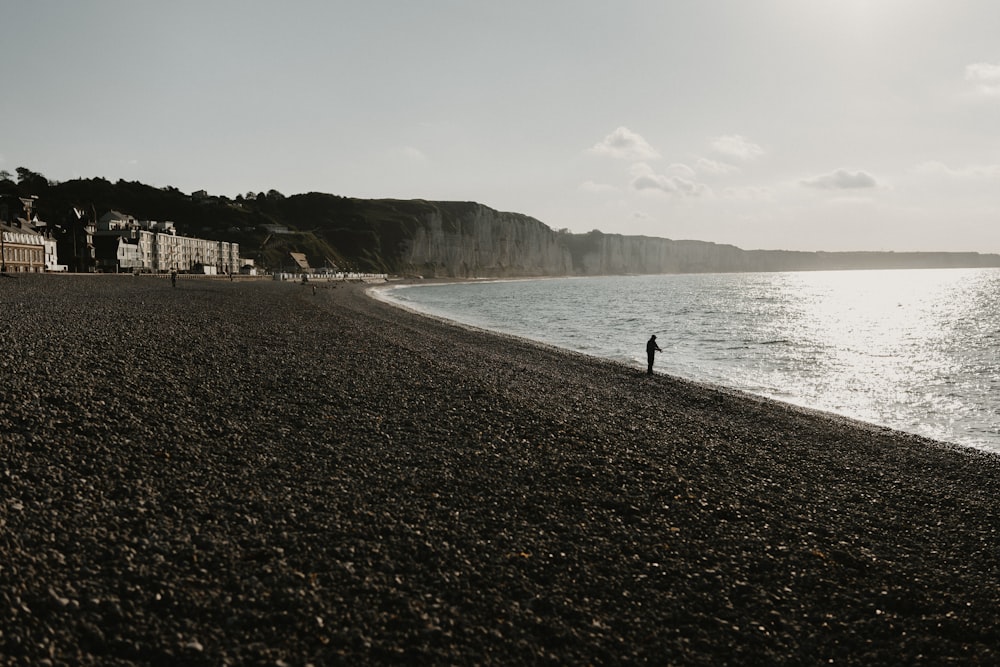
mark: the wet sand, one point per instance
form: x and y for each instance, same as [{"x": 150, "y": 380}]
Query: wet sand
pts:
[{"x": 263, "y": 473}]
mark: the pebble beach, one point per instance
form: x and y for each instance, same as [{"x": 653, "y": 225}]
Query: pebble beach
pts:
[{"x": 270, "y": 473}]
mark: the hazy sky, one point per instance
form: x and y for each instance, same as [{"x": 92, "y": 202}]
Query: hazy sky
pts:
[{"x": 799, "y": 124}]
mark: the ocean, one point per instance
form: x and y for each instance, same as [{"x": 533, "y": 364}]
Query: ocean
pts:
[{"x": 914, "y": 350}]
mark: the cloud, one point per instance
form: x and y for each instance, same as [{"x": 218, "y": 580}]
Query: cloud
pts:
[
  {"x": 413, "y": 154},
  {"x": 749, "y": 193},
  {"x": 736, "y": 146},
  {"x": 974, "y": 172},
  {"x": 841, "y": 179},
  {"x": 645, "y": 178},
  {"x": 681, "y": 171},
  {"x": 986, "y": 77},
  {"x": 707, "y": 166},
  {"x": 599, "y": 188},
  {"x": 625, "y": 144}
]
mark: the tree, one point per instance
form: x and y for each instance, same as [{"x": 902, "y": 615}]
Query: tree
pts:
[
  {"x": 5, "y": 175},
  {"x": 30, "y": 179}
]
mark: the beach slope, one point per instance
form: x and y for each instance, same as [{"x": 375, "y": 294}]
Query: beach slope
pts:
[{"x": 268, "y": 473}]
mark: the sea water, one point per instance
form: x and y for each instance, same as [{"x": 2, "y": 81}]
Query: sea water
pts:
[{"x": 915, "y": 350}]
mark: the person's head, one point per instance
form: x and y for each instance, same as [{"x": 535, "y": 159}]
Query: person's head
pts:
[{"x": 653, "y": 337}]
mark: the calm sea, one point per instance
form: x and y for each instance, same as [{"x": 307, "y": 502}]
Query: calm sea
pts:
[{"x": 916, "y": 350}]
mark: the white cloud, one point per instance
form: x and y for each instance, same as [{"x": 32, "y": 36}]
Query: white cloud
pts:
[
  {"x": 749, "y": 193},
  {"x": 975, "y": 172},
  {"x": 599, "y": 188},
  {"x": 413, "y": 154},
  {"x": 625, "y": 144},
  {"x": 737, "y": 146},
  {"x": 986, "y": 77},
  {"x": 645, "y": 178},
  {"x": 706, "y": 166},
  {"x": 681, "y": 170},
  {"x": 841, "y": 179}
]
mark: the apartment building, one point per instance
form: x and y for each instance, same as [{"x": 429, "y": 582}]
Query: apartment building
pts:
[
  {"x": 124, "y": 243},
  {"x": 22, "y": 249}
]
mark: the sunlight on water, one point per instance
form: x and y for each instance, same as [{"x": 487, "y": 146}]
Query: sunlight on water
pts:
[{"x": 911, "y": 349}]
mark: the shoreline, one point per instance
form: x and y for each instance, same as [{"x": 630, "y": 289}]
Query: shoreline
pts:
[
  {"x": 253, "y": 472},
  {"x": 982, "y": 444}
]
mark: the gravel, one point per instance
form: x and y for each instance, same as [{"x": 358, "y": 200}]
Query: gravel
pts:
[{"x": 264, "y": 473}]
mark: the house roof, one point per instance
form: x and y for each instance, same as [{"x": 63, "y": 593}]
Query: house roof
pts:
[
  {"x": 116, "y": 215},
  {"x": 25, "y": 230}
]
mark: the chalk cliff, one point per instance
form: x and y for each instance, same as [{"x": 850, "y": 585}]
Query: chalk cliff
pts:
[
  {"x": 596, "y": 253},
  {"x": 460, "y": 239},
  {"x": 471, "y": 240}
]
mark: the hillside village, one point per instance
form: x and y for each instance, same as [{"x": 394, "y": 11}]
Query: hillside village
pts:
[{"x": 115, "y": 242}]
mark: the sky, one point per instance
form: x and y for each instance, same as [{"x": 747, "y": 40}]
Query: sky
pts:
[{"x": 778, "y": 124}]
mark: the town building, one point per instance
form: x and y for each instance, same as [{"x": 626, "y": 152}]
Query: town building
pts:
[
  {"x": 52, "y": 255},
  {"x": 22, "y": 249},
  {"x": 124, "y": 243},
  {"x": 75, "y": 242}
]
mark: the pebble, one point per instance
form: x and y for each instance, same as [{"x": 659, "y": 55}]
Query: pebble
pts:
[{"x": 298, "y": 478}]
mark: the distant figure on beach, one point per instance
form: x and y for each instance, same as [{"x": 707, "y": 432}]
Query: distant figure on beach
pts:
[
  {"x": 173, "y": 278},
  {"x": 651, "y": 349}
]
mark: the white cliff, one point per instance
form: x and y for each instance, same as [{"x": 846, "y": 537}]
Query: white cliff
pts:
[{"x": 471, "y": 240}]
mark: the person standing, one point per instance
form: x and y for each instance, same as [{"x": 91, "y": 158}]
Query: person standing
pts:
[{"x": 651, "y": 349}]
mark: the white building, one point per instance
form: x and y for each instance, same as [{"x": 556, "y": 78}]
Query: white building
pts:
[
  {"x": 127, "y": 244},
  {"x": 52, "y": 256}
]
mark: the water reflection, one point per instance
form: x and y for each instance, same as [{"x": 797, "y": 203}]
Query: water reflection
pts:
[{"x": 911, "y": 349}]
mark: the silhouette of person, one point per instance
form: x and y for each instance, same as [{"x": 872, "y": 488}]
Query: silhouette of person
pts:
[
  {"x": 651, "y": 349},
  {"x": 173, "y": 278}
]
